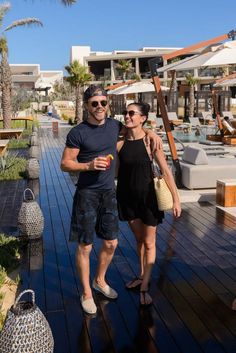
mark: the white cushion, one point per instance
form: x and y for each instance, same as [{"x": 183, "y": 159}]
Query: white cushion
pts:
[{"x": 195, "y": 155}]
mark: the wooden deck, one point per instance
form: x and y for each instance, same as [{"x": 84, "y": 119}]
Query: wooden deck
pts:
[{"x": 193, "y": 283}]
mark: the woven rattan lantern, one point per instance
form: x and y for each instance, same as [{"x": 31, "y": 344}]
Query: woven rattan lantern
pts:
[
  {"x": 34, "y": 141},
  {"x": 35, "y": 128},
  {"x": 32, "y": 168},
  {"x": 34, "y": 152},
  {"x": 30, "y": 217},
  {"x": 26, "y": 329}
]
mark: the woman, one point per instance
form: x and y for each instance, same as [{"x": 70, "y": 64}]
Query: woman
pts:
[{"x": 136, "y": 195}]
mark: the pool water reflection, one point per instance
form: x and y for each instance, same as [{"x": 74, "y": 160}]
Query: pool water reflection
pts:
[{"x": 193, "y": 136}]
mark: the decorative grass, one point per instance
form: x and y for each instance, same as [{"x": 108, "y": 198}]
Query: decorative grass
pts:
[
  {"x": 10, "y": 254},
  {"x": 18, "y": 143},
  {"x": 15, "y": 168}
]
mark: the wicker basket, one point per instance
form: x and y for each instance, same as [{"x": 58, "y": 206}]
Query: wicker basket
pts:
[
  {"x": 34, "y": 141},
  {"x": 35, "y": 128},
  {"x": 32, "y": 168},
  {"x": 26, "y": 329},
  {"x": 34, "y": 152},
  {"x": 30, "y": 217}
]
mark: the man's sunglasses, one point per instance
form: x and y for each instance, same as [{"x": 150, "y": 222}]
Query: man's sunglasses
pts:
[
  {"x": 103, "y": 103},
  {"x": 130, "y": 113}
]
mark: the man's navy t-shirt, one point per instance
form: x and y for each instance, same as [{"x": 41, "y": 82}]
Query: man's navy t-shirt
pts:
[{"x": 93, "y": 141}]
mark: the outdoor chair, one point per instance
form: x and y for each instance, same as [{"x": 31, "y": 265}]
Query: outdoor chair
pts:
[
  {"x": 228, "y": 114},
  {"x": 159, "y": 122},
  {"x": 228, "y": 128},
  {"x": 207, "y": 116},
  {"x": 152, "y": 116},
  {"x": 194, "y": 121},
  {"x": 200, "y": 171},
  {"x": 172, "y": 116}
]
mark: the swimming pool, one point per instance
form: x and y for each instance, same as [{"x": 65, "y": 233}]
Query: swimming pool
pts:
[{"x": 191, "y": 136}]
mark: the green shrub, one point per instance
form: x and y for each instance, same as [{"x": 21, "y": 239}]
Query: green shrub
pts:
[
  {"x": 71, "y": 121},
  {"x": 9, "y": 254},
  {"x": 12, "y": 167},
  {"x": 64, "y": 116},
  {"x": 18, "y": 143},
  {"x": 3, "y": 275},
  {"x": 10, "y": 249}
]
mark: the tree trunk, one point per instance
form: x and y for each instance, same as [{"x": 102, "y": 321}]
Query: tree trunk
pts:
[
  {"x": 191, "y": 101},
  {"x": 6, "y": 91},
  {"x": 78, "y": 107}
]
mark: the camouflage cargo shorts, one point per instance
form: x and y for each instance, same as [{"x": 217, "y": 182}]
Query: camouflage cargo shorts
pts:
[{"x": 94, "y": 212}]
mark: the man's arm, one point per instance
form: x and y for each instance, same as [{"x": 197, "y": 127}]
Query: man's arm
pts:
[
  {"x": 69, "y": 162},
  {"x": 152, "y": 139}
]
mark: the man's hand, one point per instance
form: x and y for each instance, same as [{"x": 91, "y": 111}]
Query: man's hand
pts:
[
  {"x": 99, "y": 163},
  {"x": 153, "y": 140}
]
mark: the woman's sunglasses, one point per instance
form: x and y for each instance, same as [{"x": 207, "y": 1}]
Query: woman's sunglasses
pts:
[
  {"x": 103, "y": 103},
  {"x": 130, "y": 113}
]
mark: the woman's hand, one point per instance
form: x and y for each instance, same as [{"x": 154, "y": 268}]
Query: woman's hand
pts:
[{"x": 176, "y": 209}]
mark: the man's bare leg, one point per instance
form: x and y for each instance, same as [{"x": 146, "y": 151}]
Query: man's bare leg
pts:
[
  {"x": 104, "y": 259},
  {"x": 83, "y": 266}
]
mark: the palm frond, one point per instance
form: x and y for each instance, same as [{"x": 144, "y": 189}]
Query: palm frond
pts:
[
  {"x": 24, "y": 22},
  {"x": 3, "y": 10},
  {"x": 68, "y": 2}
]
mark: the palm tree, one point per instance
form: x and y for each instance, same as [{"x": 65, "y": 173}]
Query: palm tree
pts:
[
  {"x": 78, "y": 78},
  {"x": 68, "y": 2},
  {"x": 191, "y": 81},
  {"x": 5, "y": 72},
  {"x": 124, "y": 66}
]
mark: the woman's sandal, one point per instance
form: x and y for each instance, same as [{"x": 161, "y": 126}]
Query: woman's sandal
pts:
[
  {"x": 135, "y": 283},
  {"x": 145, "y": 298}
]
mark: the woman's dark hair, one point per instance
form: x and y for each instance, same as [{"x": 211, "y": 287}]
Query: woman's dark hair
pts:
[{"x": 143, "y": 108}]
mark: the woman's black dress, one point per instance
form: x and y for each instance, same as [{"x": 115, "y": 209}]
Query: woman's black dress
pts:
[{"x": 135, "y": 189}]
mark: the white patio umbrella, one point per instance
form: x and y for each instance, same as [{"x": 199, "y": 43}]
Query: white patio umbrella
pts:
[
  {"x": 217, "y": 55},
  {"x": 137, "y": 87},
  {"x": 226, "y": 82}
]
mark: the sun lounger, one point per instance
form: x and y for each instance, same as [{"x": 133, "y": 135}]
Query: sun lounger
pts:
[
  {"x": 228, "y": 114},
  {"x": 207, "y": 116},
  {"x": 200, "y": 171}
]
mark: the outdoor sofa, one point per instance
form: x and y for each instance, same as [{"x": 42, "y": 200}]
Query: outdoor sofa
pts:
[{"x": 200, "y": 171}]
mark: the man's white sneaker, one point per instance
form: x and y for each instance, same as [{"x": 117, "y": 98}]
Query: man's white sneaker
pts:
[
  {"x": 107, "y": 291},
  {"x": 88, "y": 305}
]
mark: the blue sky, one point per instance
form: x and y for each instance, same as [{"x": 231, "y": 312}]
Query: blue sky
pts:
[{"x": 108, "y": 25}]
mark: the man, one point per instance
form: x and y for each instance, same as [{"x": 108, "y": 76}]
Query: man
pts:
[
  {"x": 49, "y": 109},
  {"x": 94, "y": 206}
]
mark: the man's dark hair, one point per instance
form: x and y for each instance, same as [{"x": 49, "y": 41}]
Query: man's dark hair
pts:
[{"x": 94, "y": 90}]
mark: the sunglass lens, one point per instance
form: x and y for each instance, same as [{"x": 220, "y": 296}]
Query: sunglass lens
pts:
[
  {"x": 94, "y": 104},
  {"x": 130, "y": 113}
]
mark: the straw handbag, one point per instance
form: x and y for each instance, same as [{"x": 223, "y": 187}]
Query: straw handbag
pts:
[
  {"x": 163, "y": 194},
  {"x": 26, "y": 329}
]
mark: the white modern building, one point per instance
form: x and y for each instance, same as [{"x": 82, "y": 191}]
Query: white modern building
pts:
[
  {"x": 31, "y": 77},
  {"x": 103, "y": 65}
]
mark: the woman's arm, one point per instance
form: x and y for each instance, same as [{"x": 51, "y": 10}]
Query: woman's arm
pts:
[{"x": 159, "y": 156}]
